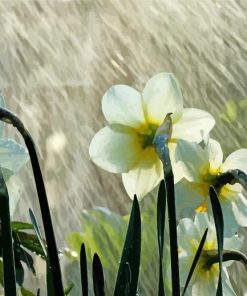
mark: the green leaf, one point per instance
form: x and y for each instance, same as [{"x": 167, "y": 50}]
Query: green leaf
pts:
[
  {"x": 8, "y": 254},
  {"x": 231, "y": 112},
  {"x": 219, "y": 225},
  {"x": 130, "y": 255},
  {"x": 25, "y": 292},
  {"x": 17, "y": 225},
  {"x": 98, "y": 277},
  {"x": 1, "y": 272},
  {"x": 12, "y": 157},
  {"x": 69, "y": 289},
  {"x": 2, "y": 104},
  {"x": 161, "y": 212},
  {"x": 103, "y": 233},
  {"x": 83, "y": 269},
  {"x": 31, "y": 242},
  {"x": 37, "y": 231},
  {"x": 160, "y": 143},
  {"x": 195, "y": 261}
]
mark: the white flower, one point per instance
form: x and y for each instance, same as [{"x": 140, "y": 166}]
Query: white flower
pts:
[
  {"x": 125, "y": 146},
  {"x": 205, "y": 277},
  {"x": 200, "y": 167}
]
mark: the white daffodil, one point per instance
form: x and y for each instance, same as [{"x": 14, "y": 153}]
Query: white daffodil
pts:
[
  {"x": 125, "y": 146},
  {"x": 205, "y": 277},
  {"x": 200, "y": 167}
]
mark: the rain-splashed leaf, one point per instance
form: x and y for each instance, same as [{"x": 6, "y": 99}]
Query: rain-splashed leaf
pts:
[{"x": 130, "y": 255}]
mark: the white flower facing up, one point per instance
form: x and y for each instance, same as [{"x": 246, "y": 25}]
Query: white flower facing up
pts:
[
  {"x": 200, "y": 167},
  {"x": 125, "y": 146},
  {"x": 205, "y": 277}
]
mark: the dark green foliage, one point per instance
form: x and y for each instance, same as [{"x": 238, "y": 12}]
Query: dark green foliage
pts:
[
  {"x": 160, "y": 143},
  {"x": 83, "y": 269},
  {"x": 98, "y": 277},
  {"x": 219, "y": 225},
  {"x": 7, "y": 244},
  {"x": 195, "y": 261},
  {"x": 128, "y": 272},
  {"x": 161, "y": 213}
]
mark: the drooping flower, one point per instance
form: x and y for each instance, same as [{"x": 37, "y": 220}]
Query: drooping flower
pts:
[
  {"x": 205, "y": 277},
  {"x": 200, "y": 168},
  {"x": 125, "y": 146}
]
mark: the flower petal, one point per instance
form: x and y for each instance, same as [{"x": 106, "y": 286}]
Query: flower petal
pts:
[
  {"x": 146, "y": 175},
  {"x": 192, "y": 160},
  {"x": 206, "y": 283},
  {"x": 193, "y": 125},
  {"x": 188, "y": 195},
  {"x": 115, "y": 149},
  {"x": 122, "y": 104},
  {"x": 162, "y": 95},
  {"x": 239, "y": 208},
  {"x": 230, "y": 223},
  {"x": 188, "y": 236},
  {"x": 236, "y": 160},
  {"x": 215, "y": 154},
  {"x": 12, "y": 157}
]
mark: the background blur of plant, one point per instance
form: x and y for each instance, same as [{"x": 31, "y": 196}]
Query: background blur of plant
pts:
[{"x": 57, "y": 59}]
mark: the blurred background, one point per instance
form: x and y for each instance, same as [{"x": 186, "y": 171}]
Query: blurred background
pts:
[{"x": 57, "y": 59}]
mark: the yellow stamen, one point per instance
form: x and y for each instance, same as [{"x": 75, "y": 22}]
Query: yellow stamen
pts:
[{"x": 202, "y": 208}]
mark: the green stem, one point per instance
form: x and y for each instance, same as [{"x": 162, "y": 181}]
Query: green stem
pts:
[
  {"x": 8, "y": 254},
  {"x": 54, "y": 266}
]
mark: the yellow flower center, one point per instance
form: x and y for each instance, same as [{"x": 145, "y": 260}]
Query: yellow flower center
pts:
[
  {"x": 203, "y": 269},
  {"x": 146, "y": 135}
]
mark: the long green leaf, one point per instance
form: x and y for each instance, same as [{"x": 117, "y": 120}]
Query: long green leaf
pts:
[
  {"x": 98, "y": 277},
  {"x": 11, "y": 118},
  {"x": 219, "y": 225},
  {"x": 160, "y": 143},
  {"x": 37, "y": 231},
  {"x": 29, "y": 241},
  {"x": 161, "y": 212},
  {"x": 130, "y": 255},
  {"x": 195, "y": 261},
  {"x": 17, "y": 225},
  {"x": 83, "y": 269},
  {"x": 8, "y": 253}
]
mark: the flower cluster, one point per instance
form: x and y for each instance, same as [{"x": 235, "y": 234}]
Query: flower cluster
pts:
[{"x": 126, "y": 146}]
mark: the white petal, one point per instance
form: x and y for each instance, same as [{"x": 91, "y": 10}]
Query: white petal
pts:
[
  {"x": 230, "y": 223},
  {"x": 188, "y": 195},
  {"x": 233, "y": 243},
  {"x": 227, "y": 287},
  {"x": 215, "y": 154},
  {"x": 236, "y": 160},
  {"x": 177, "y": 171},
  {"x": 193, "y": 160},
  {"x": 162, "y": 95},
  {"x": 205, "y": 286},
  {"x": 145, "y": 176},
  {"x": 115, "y": 149},
  {"x": 202, "y": 222},
  {"x": 122, "y": 104},
  {"x": 12, "y": 157},
  {"x": 193, "y": 125},
  {"x": 239, "y": 208},
  {"x": 185, "y": 262},
  {"x": 188, "y": 236}
]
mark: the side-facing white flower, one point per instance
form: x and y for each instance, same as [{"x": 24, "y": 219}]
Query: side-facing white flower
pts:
[
  {"x": 200, "y": 167},
  {"x": 205, "y": 277},
  {"x": 125, "y": 146}
]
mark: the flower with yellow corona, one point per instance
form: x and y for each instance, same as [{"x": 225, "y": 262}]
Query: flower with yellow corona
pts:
[
  {"x": 125, "y": 146},
  {"x": 200, "y": 168},
  {"x": 205, "y": 277}
]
